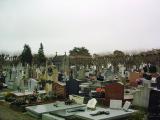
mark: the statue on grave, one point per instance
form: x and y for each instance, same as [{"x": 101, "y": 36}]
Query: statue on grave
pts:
[
  {"x": 81, "y": 74},
  {"x": 51, "y": 77},
  {"x": 22, "y": 81},
  {"x": 41, "y": 77},
  {"x": 38, "y": 73}
]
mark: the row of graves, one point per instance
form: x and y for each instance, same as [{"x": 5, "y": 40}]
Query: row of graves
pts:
[
  {"x": 83, "y": 93},
  {"x": 80, "y": 99}
]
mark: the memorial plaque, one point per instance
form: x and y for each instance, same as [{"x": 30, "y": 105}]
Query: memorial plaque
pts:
[
  {"x": 126, "y": 105},
  {"x": 115, "y": 104}
]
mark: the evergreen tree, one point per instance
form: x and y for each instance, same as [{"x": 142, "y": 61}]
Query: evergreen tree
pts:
[
  {"x": 41, "y": 57},
  {"x": 26, "y": 56}
]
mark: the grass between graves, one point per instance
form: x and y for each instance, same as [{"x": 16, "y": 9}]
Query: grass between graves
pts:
[{"x": 6, "y": 113}]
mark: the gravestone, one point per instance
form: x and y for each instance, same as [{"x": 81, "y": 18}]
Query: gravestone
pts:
[
  {"x": 34, "y": 74},
  {"x": 141, "y": 96},
  {"x": 59, "y": 89},
  {"x": 8, "y": 76},
  {"x": 122, "y": 70},
  {"x": 133, "y": 76},
  {"x": 38, "y": 73},
  {"x": 109, "y": 75},
  {"x": 81, "y": 74},
  {"x": 32, "y": 84},
  {"x": 18, "y": 76},
  {"x": 114, "y": 91},
  {"x": 12, "y": 81},
  {"x": 51, "y": 76},
  {"x": 72, "y": 87},
  {"x": 22, "y": 84}
]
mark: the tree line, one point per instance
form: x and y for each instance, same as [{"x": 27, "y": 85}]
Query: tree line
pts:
[{"x": 82, "y": 56}]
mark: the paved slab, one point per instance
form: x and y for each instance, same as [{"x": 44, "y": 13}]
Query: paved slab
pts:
[
  {"x": 114, "y": 114},
  {"x": 38, "y": 110}
]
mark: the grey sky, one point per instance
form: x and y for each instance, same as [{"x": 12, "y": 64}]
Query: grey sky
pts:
[{"x": 99, "y": 25}]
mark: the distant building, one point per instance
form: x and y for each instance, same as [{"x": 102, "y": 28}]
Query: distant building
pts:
[{"x": 61, "y": 62}]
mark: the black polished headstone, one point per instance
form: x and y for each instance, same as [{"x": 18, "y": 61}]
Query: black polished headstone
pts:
[
  {"x": 154, "y": 102},
  {"x": 158, "y": 82},
  {"x": 72, "y": 87}
]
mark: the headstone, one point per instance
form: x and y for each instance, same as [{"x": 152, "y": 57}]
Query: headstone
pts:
[
  {"x": 81, "y": 74},
  {"x": 13, "y": 77},
  {"x": 109, "y": 73},
  {"x": 25, "y": 71},
  {"x": 59, "y": 89},
  {"x": 52, "y": 73},
  {"x": 154, "y": 104},
  {"x": 134, "y": 68},
  {"x": 126, "y": 105},
  {"x": 51, "y": 76},
  {"x": 133, "y": 76},
  {"x": 72, "y": 87},
  {"x": 34, "y": 73},
  {"x": 114, "y": 91},
  {"x": 18, "y": 76},
  {"x": 8, "y": 78},
  {"x": 38, "y": 73},
  {"x": 87, "y": 73},
  {"x": 32, "y": 84},
  {"x": 122, "y": 71},
  {"x": 141, "y": 96},
  {"x": 4, "y": 74}
]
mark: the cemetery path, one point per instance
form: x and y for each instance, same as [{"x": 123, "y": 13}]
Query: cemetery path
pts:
[{"x": 6, "y": 113}]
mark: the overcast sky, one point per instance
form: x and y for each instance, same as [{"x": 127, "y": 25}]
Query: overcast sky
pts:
[{"x": 98, "y": 25}]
